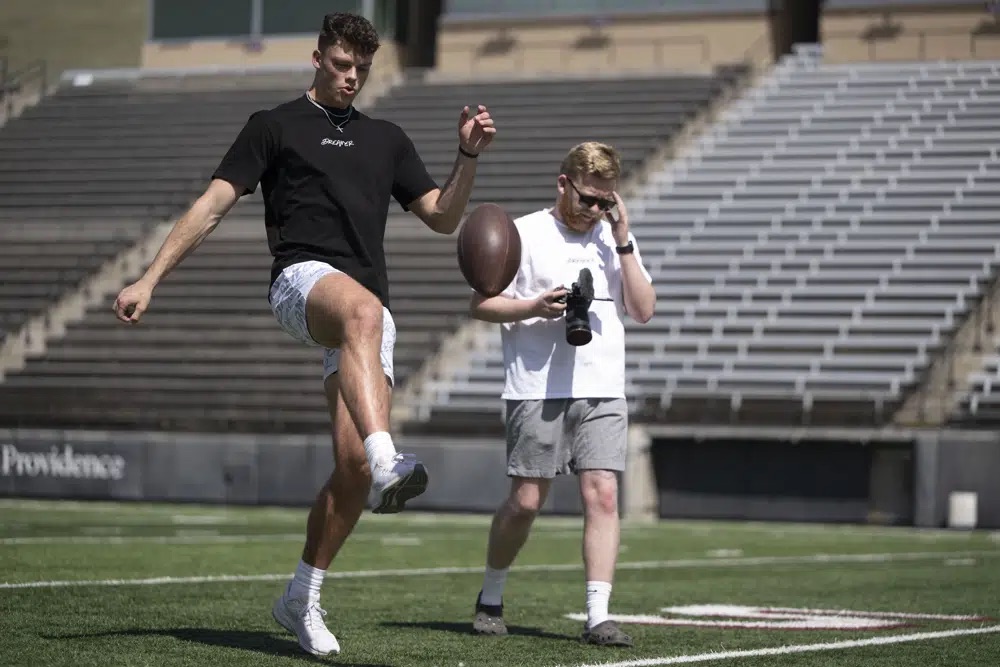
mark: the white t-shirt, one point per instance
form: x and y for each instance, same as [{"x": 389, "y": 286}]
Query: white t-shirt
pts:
[{"x": 538, "y": 361}]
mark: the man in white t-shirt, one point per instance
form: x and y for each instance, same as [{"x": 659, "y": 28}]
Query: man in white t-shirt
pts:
[{"x": 563, "y": 330}]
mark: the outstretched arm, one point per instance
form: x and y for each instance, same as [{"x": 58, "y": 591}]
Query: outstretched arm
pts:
[
  {"x": 501, "y": 309},
  {"x": 191, "y": 229},
  {"x": 441, "y": 209},
  {"x": 187, "y": 234}
]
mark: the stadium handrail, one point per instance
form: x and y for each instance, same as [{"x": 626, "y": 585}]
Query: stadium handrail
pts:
[
  {"x": 35, "y": 72},
  {"x": 134, "y": 73}
]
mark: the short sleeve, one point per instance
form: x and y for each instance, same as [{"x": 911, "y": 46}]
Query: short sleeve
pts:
[
  {"x": 410, "y": 180},
  {"x": 522, "y": 270},
  {"x": 250, "y": 154}
]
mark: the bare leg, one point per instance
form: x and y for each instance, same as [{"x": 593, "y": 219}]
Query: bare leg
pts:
[
  {"x": 508, "y": 533},
  {"x": 601, "y": 537},
  {"x": 601, "y": 529},
  {"x": 512, "y": 521},
  {"x": 333, "y": 516},
  {"x": 342, "y": 499},
  {"x": 343, "y": 314}
]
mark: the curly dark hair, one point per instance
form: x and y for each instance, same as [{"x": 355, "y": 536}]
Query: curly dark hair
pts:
[{"x": 351, "y": 29}]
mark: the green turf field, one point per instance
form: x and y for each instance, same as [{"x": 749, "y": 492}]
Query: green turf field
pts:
[{"x": 126, "y": 584}]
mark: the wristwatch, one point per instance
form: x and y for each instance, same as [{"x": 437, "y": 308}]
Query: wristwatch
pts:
[{"x": 625, "y": 249}]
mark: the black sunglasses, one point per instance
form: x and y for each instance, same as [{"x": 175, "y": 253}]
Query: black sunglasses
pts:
[{"x": 590, "y": 200}]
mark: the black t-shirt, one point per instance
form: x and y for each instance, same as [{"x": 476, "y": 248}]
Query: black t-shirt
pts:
[{"x": 326, "y": 193}]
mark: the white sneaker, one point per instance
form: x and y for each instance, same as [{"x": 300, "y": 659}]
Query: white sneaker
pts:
[
  {"x": 304, "y": 619},
  {"x": 403, "y": 478}
]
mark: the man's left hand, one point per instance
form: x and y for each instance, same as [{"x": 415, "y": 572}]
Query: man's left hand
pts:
[
  {"x": 475, "y": 132},
  {"x": 619, "y": 225}
]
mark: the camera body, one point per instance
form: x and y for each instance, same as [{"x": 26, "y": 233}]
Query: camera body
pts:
[{"x": 578, "y": 300}]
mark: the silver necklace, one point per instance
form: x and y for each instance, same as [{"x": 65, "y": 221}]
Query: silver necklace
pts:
[{"x": 340, "y": 127}]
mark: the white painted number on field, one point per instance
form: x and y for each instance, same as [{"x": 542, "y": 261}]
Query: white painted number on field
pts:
[{"x": 780, "y": 618}]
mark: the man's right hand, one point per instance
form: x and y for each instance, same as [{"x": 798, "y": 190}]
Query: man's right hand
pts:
[
  {"x": 548, "y": 306},
  {"x": 132, "y": 302}
]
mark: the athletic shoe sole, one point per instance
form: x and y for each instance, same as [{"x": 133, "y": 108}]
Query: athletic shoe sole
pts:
[
  {"x": 408, "y": 487},
  {"x": 281, "y": 618}
]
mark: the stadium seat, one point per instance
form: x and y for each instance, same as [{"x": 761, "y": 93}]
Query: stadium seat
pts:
[
  {"x": 208, "y": 355},
  {"x": 817, "y": 246}
]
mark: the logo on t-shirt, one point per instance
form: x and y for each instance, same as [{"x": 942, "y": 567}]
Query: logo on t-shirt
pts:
[{"x": 337, "y": 143}]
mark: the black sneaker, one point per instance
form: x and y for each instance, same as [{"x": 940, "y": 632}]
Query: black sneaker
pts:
[
  {"x": 489, "y": 619},
  {"x": 606, "y": 634}
]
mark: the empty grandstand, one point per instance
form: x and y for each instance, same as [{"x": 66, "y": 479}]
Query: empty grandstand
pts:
[
  {"x": 814, "y": 253},
  {"x": 208, "y": 355},
  {"x": 824, "y": 244},
  {"x": 980, "y": 405}
]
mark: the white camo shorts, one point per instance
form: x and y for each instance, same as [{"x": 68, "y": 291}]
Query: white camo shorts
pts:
[{"x": 288, "y": 303}]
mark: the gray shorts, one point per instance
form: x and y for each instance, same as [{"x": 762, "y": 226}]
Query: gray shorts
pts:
[{"x": 559, "y": 436}]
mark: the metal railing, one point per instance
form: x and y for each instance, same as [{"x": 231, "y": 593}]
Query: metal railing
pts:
[
  {"x": 30, "y": 80},
  {"x": 4, "y": 63}
]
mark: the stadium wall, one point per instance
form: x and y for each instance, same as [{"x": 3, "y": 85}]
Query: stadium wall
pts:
[
  {"x": 691, "y": 41},
  {"x": 855, "y": 476},
  {"x": 467, "y": 475},
  {"x": 641, "y": 42},
  {"x": 906, "y": 478}
]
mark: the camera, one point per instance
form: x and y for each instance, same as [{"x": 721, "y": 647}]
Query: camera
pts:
[{"x": 578, "y": 301}]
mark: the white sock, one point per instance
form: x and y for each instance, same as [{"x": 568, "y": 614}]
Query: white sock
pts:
[
  {"x": 306, "y": 582},
  {"x": 379, "y": 448},
  {"x": 598, "y": 596},
  {"x": 493, "y": 583}
]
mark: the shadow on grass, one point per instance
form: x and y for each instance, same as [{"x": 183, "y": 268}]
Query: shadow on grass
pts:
[
  {"x": 247, "y": 640},
  {"x": 466, "y": 629}
]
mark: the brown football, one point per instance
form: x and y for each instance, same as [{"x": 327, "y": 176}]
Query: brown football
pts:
[{"x": 489, "y": 249}]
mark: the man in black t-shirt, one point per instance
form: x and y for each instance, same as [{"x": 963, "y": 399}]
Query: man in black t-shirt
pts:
[{"x": 327, "y": 173}]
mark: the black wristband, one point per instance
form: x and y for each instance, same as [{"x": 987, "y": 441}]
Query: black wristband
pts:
[{"x": 467, "y": 153}]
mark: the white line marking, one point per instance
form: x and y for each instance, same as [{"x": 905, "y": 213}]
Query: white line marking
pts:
[
  {"x": 960, "y": 562},
  {"x": 191, "y": 536},
  {"x": 401, "y": 541},
  {"x": 781, "y": 618},
  {"x": 202, "y": 519},
  {"x": 879, "y": 614},
  {"x": 102, "y": 530},
  {"x": 806, "y": 623},
  {"x": 799, "y": 648},
  {"x": 724, "y": 553},
  {"x": 152, "y": 539},
  {"x": 635, "y": 531},
  {"x": 167, "y": 510},
  {"x": 559, "y": 567}
]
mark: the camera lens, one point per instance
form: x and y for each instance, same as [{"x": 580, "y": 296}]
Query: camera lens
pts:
[{"x": 579, "y": 335}]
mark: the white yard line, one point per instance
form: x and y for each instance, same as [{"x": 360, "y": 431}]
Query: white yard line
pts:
[
  {"x": 780, "y": 618},
  {"x": 212, "y": 515},
  {"x": 149, "y": 539},
  {"x": 388, "y": 539},
  {"x": 562, "y": 567},
  {"x": 800, "y": 648}
]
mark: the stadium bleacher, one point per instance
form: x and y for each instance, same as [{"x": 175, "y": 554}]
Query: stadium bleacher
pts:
[
  {"x": 41, "y": 261},
  {"x": 979, "y": 404},
  {"x": 115, "y": 150},
  {"x": 208, "y": 355},
  {"x": 812, "y": 253}
]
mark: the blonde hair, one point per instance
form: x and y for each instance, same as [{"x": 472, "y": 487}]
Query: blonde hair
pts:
[{"x": 594, "y": 158}]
